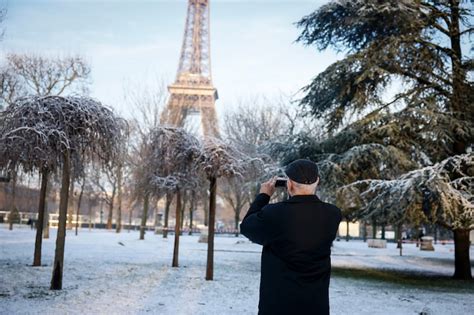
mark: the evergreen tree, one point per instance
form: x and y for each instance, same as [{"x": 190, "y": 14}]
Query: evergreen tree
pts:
[{"x": 420, "y": 47}]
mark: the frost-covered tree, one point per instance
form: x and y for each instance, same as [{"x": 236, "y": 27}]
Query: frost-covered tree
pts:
[
  {"x": 217, "y": 159},
  {"x": 442, "y": 194},
  {"x": 28, "y": 139},
  {"x": 367, "y": 161},
  {"x": 421, "y": 45},
  {"x": 50, "y": 133},
  {"x": 170, "y": 157},
  {"x": 25, "y": 74}
]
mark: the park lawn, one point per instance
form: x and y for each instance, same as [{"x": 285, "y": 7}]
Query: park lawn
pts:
[{"x": 107, "y": 272}]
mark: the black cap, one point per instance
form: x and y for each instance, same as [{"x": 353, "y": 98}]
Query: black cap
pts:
[{"x": 302, "y": 171}]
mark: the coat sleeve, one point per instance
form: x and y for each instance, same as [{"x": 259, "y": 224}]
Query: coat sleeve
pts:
[{"x": 257, "y": 224}]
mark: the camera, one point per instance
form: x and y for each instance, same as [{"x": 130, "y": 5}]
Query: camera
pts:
[{"x": 280, "y": 182}]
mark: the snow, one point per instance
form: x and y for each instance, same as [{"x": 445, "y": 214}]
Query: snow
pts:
[{"x": 107, "y": 272}]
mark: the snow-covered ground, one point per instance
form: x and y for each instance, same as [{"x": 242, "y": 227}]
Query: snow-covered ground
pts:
[{"x": 109, "y": 273}]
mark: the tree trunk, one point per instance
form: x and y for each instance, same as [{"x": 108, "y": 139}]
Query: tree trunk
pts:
[
  {"x": 190, "y": 221},
  {"x": 398, "y": 235},
  {"x": 169, "y": 199},
  {"x": 177, "y": 229},
  {"x": 111, "y": 208},
  {"x": 40, "y": 222},
  {"x": 70, "y": 206},
  {"x": 146, "y": 204},
  {"x": 79, "y": 200},
  {"x": 236, "y": 223},
  {"x": 347, "y": 231},
  {"x": 13, "y": 201},
  {"x": 157, "y": 219},
  {"x": 119, "y": 199},
  {"x": 383, "y": 231},
  {"x": 46, "y": 220},
  {"x": 400, "y": 241},
  {"x": 181, "y": 220},
  {"x": 6, "y": 200},
  {"x": 462, "y": 262},
  {"x": 364, "y": 231},
  {"x": 90, "y": 213},
  {"x": 212, "y": 220},
  {"x": 191, "y": 209},
  {"x": 183, "y": 207},
  {"x": 130, "y": 217},
  {"x": 46, "y": 212},
  {"x": 374, "y": 228},
  {"x": 57, "y": 278},
  {"x": 459, "y": 91},
  {"x": 206, "y": 212}
]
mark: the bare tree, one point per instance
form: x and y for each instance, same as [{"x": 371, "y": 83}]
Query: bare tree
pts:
[
  {"x": 108, "y": 186},
  {"x": 79, "y": 200},
  {"x": 13, "y": 215},
  {"x": 146, "y": 206},
  {"x": 119, "y": 173},
  {"x": 235, "y": 192},
  {"x": 11, "y": 87},
  {"x": 147, "y": 104},
  {"x": 254, "y": 123},
  {"x": 139, "y": 160},
  {"x": 43, "y": 76},
  {"x": 192, "y": 206},
  {"x": 168, "y": 200},
  {"x": 254, "y": 127}
]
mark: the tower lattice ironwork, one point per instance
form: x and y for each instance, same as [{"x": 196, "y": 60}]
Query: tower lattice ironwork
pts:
[{"x": 193, "y": 91}]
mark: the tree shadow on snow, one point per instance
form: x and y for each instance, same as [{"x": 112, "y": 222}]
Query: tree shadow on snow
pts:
[{"x": 411, "y": 279}]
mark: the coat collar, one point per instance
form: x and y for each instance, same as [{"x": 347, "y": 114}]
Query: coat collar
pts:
[{"x": 303, "y": 198}]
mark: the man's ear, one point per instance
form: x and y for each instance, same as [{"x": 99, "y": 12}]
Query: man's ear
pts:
[
  {"x": 317, "y": 181},
  {"x": 289, "y": 185}
]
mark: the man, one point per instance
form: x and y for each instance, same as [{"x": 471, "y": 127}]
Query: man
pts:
[{"x": 296, "y": 235}]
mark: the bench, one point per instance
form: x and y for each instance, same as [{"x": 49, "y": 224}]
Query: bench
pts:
[
  {"x": 426, "y": 243},
  {"x": 377, "y": 243}
]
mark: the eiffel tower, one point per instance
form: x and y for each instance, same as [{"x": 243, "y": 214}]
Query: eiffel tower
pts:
[{"x": 193, "y": 92}]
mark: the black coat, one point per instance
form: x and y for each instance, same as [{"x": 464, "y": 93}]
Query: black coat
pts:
[{"x": 296, "y": 235}]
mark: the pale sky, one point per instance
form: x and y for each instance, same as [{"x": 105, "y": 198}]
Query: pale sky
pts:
[{"x": 252, "y": 43}]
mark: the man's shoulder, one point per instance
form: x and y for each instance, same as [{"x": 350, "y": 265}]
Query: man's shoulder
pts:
[
  {"x": 285, "y": 204},
  {"x": 274, "y": 206},
  {"x": 333, "y": 209},
  {"x": 331, "y": 206}
]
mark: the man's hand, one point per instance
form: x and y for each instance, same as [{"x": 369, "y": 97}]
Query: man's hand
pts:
[{"x": 268, "y": 187}]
